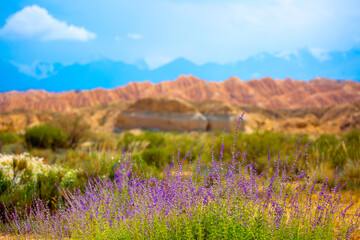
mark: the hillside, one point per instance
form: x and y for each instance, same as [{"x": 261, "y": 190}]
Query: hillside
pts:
[
  {"x": 266, "y": 93},
  {"x": 105, "y": 117}
]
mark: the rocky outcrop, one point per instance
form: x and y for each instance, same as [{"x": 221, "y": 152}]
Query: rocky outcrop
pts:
[
  {"x": 265, "y": 93},
  {"x": 162, "y": 106},
  {"x": 176, "y": 115},
  {"x": 220, "y": 115},
  {"x": 161, "y": 114},
  {"x": 227, "y": 122},
  {"x": 162, "y": 122}
]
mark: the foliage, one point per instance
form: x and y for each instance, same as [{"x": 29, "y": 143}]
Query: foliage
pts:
[
  {"x": 126, "y": 141},
  {"x": 155, "y": 156},
  {"x": 76, "y": 129},
  {"x": 45, "y": 136},
  {"x": 24, "y": 178},
  {"x": 8, "y": 138},
  {"x": 228, "y": 200},
  {"x": 5, "y": 183},
  {"x": 335, "y": 157}
]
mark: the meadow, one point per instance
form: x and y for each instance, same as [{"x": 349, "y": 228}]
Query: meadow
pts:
[{"x": 56, "y": 183}]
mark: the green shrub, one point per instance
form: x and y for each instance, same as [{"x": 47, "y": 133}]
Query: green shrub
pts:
[
  {"x": 155, "y": 139},
  {"x": 126, "y": 141},
  {"x": 24, "y": 178},
  {"x": 45, "y": 136},
  {"x": 329, "y": 148},
  {"x": 155, "y": 156},
  {"x": 8, "y": 138},
  {"x": 5, "y": 184},
  {"x": 76, "y": 129},
  {"x": 19, "y": 196},
  {"x": 352, "y": 143}
]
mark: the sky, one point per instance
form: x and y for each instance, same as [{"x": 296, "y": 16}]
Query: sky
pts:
[{"x": 159, "y": 31}]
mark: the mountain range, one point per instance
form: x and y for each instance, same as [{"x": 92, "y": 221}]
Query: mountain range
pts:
[
  {"x": 266, "y": 93},
  {"x": 316, "y": 106},
  {"x": 305, "y": 64}
]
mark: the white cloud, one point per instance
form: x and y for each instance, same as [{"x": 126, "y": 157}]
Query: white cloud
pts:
[
  {"x": 286, "y": 54},
  {"x": 229, "y": 30},
  {"x": 37, "y": 69},
  {"x": 320, "y": 54},
  {"x": 35, "y": 22},
  {"x": 134, "y": 36},
  {"x": 117, "y": 38}
]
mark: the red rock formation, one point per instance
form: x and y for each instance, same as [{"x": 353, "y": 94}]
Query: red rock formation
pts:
[
  {"x": 170, "y": 114},
  {"x": 162, "y": 114},
  {"x": 267, "y": 93}
]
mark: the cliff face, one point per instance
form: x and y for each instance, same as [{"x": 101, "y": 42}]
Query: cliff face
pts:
[
  {"x": 175, "y": 115},
  {"x": 266, "y": 93},
  {"x": 162, "y": 114}
]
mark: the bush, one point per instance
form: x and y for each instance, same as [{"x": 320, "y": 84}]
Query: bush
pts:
[
  {"x": 74, "y": 127},
  {"x": 24, "y": 178},
  {"x": 45, "y": 136},
  {"x": 352, "y": 142},
  {"x": 329, "y": 148},
  {"x": 5, "y": 184},
  {"x": 126, "y": 141},
  {"x": 8, "y": 138},
  {"x": 155, "y": 139},
  {"x": 155, "y": 156}
]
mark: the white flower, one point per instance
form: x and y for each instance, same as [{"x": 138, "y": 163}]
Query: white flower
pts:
[{"x": 34, "y": 164}]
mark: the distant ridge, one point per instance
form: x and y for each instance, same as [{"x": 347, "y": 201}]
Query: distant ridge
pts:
[
  {"x": 302, "y": 64},
  {"x": 266, "y": 93}
]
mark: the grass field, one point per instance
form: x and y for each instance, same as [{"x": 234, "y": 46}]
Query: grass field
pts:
[{"x": 120, "y": 186}]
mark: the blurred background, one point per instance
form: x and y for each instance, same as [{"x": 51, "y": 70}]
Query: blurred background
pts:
[
  {"x": 66, "y": 45},
  {"x": 82, "y": 82}
]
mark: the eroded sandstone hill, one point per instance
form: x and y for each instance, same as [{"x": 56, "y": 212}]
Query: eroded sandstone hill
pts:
[
  {"x": 188, "y": 103},
  {"x": 173, "y": 114},
  {"x": 266, "y": 93},
  {"x": 217, "y": 114}
]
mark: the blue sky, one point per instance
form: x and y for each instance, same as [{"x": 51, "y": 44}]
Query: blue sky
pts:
[{"x": 159, "y": 31}]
